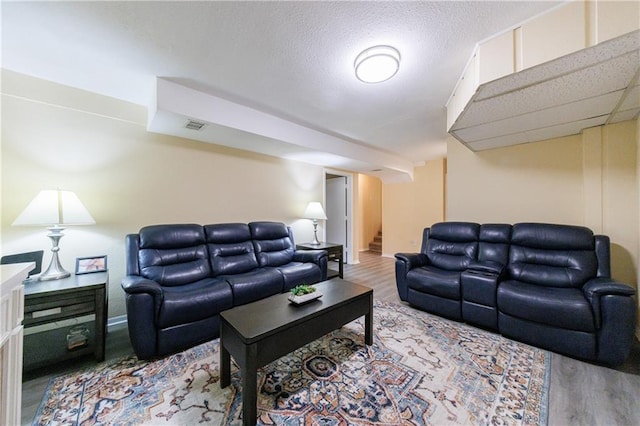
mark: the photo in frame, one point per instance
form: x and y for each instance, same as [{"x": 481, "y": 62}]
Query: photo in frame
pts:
[{"x": 90, "y": 265}]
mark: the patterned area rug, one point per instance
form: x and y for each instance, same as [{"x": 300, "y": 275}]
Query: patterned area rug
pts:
[{"x": 421, "y": 370}]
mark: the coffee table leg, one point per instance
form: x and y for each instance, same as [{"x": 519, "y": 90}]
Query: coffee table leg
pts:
[
  {"x": 368, "y": 324},
  {"x": 225, "y": 367},
  {"x": 249, "y": 387}
]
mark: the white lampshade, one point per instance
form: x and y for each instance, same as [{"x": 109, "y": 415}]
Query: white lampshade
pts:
[
  {"x": 377, "y": 64},
  {"x": 55, "y": 207},
  {"x": 314, "y": 211}
]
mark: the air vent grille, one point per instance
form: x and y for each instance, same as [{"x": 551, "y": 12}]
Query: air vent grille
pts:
[{"x": 195, "y": 125}]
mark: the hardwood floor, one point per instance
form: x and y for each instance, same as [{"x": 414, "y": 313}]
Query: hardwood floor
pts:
[{"x": 580, "y": 394}]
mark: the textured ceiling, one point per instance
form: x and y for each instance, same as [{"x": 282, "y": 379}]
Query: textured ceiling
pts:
[{"x": 292, "y": 60}]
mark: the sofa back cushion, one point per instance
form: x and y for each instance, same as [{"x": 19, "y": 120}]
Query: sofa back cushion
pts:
[
  {"x": 231, "y": 249},
  {"x": 552, "y": 255},
  {"x": 273, "y": 243},
  {"x": 173, "y": 255},
  {"x": 452, "y": 245},
  {"x": 494, "y": 243}
]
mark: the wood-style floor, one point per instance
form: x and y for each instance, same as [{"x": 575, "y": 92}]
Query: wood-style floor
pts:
[{"x": 581, "y": 393}]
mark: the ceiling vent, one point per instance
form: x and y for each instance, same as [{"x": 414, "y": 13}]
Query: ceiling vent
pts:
[{"x": 195, "y": 125}]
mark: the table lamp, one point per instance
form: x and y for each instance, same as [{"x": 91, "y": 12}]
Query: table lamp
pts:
[
  {"x": 314, "y": 212},
  {"x": 54, "y": 208}
]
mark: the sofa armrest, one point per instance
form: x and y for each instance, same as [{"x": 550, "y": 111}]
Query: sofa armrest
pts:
[
  {"x": 598, "y": 287},
  {"x": 143, "y": 298},
  {"x": 319, "y": 257},
  {"x": 614, "y": 311},
  {"x": 413, "y": 260},
  {"x": 405, "y": 262},
  {"x": 486, "y": 267},
  {"x": 309, "y": 256},
  {"x": 134, "y": 284}
]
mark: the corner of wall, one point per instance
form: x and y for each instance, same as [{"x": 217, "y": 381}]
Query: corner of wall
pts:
[{"x": 638, "y": 189}]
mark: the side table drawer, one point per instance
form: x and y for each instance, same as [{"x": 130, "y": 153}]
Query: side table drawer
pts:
[{"x": 43, "y": 309}]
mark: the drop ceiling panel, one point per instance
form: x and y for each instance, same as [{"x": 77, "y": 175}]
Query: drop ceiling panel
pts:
[
  {"x": 632, "y": 100},
  {"x": 592, "y": 107},
  {"x": 537, "y": 135},
  {"x": 603, "y": 52},
  {"x": 629, "y": 114},
  {"x": 499, "y": 142},
  {"x": 599, "y": 79},
  {"x": 565, "y": 129},
  {"x": 562, "y": 97}
]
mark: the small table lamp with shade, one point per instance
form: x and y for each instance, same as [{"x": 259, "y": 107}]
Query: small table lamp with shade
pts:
[
  {"x": 315, "y": 212},
  {"x": 54, "y": 208}
]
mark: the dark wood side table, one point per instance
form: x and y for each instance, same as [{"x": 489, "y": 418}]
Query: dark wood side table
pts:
[
  {"x": 334, "y": 251},
  {"x": 68, "y": 302}
]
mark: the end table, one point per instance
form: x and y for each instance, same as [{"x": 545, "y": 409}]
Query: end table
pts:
[
  {"x": 335, "y": 252},
  {"x": 68, "y": 302}
]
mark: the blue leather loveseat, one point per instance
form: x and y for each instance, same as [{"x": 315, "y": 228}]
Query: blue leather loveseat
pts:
[
  {"x": 543, "y": 284},
  {"x": 180, "y": 277}
]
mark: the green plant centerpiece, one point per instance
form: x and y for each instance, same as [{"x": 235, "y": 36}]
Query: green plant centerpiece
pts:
[
  {"x": 302, "y": 289},
  {"x": 303, "y": 293}
]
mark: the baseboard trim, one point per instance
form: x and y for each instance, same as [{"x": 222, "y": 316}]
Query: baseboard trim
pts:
[
  {"x": 390, "y": 256},
  {"x": 116, "y": 322}
]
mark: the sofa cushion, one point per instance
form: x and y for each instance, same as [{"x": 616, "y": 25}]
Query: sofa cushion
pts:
[
  {"x": 551, "y": 236},
  {"x": 272, "y": 242},
  {"x": 494, "y": 243},
  {"x": 231, "y": 249},
  {"x": 558, "y": 307},
  {"x": 452, "y": 245},
  {"x": 171, "y": 236},
  {"x": 173, "y": 254},
  {"x": 435, "y": 281},
  {"x": 552, "y": 255},
  {"x": 254, "y": 285},
  {"x": 193, "y": 302}
]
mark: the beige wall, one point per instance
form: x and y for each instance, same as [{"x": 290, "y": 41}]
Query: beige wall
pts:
[
  {"x": 370, "y": 212},
  {"x": 531, "y": 182},
  {"x": 589, "y": 179},
  {"x": 408, "y": 208},
  {"x": 56, "y": 136}
]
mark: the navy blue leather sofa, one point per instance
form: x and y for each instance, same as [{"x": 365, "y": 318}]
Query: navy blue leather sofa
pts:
[
  {"x": 543, "y": 284},
  {"x": 180, "y": 277}
]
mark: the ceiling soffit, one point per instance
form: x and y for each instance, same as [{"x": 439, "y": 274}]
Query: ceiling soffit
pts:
[
  {"x": 239, "y": 126},
  {"x": 594, "y": 86}
]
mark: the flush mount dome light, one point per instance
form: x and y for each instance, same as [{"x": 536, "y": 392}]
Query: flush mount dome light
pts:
[{"x": 377, "y": 64}]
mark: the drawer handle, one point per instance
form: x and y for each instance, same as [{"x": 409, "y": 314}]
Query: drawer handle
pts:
[{"x": 46, "y": 312}]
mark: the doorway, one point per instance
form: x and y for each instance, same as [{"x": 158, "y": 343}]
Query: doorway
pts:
[{"x": 338, "y": 204}]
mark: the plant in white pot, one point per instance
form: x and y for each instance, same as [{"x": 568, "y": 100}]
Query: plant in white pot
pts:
[{"x": 303, "y": 293}]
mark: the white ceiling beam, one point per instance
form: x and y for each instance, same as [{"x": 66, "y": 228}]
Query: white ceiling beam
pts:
[{"x": 267, "y": 133}]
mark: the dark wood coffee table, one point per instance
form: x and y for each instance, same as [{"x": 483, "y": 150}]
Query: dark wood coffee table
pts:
[{"x": 261, "y": 332}]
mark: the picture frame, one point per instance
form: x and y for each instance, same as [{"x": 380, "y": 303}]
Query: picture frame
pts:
[{"x": 90, "y": 265}]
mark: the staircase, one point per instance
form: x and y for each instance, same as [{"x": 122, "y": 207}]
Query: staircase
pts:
[{"x": 376, "y": 245}]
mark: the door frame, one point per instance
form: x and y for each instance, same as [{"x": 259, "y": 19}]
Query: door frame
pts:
[{"x": 350, "y": 233}]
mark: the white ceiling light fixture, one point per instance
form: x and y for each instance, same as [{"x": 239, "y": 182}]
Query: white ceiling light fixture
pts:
[{"x": 377, "y": 64}]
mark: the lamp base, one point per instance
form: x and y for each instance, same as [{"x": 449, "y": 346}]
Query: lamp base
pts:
[
  {"x": 54, "y": 271},
  {"x": 315, "y": 241},
  {"x": 54, "y": 275}
]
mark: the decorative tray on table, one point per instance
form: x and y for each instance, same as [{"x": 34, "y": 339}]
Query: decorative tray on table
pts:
[{"x": 303, "y": 294}]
